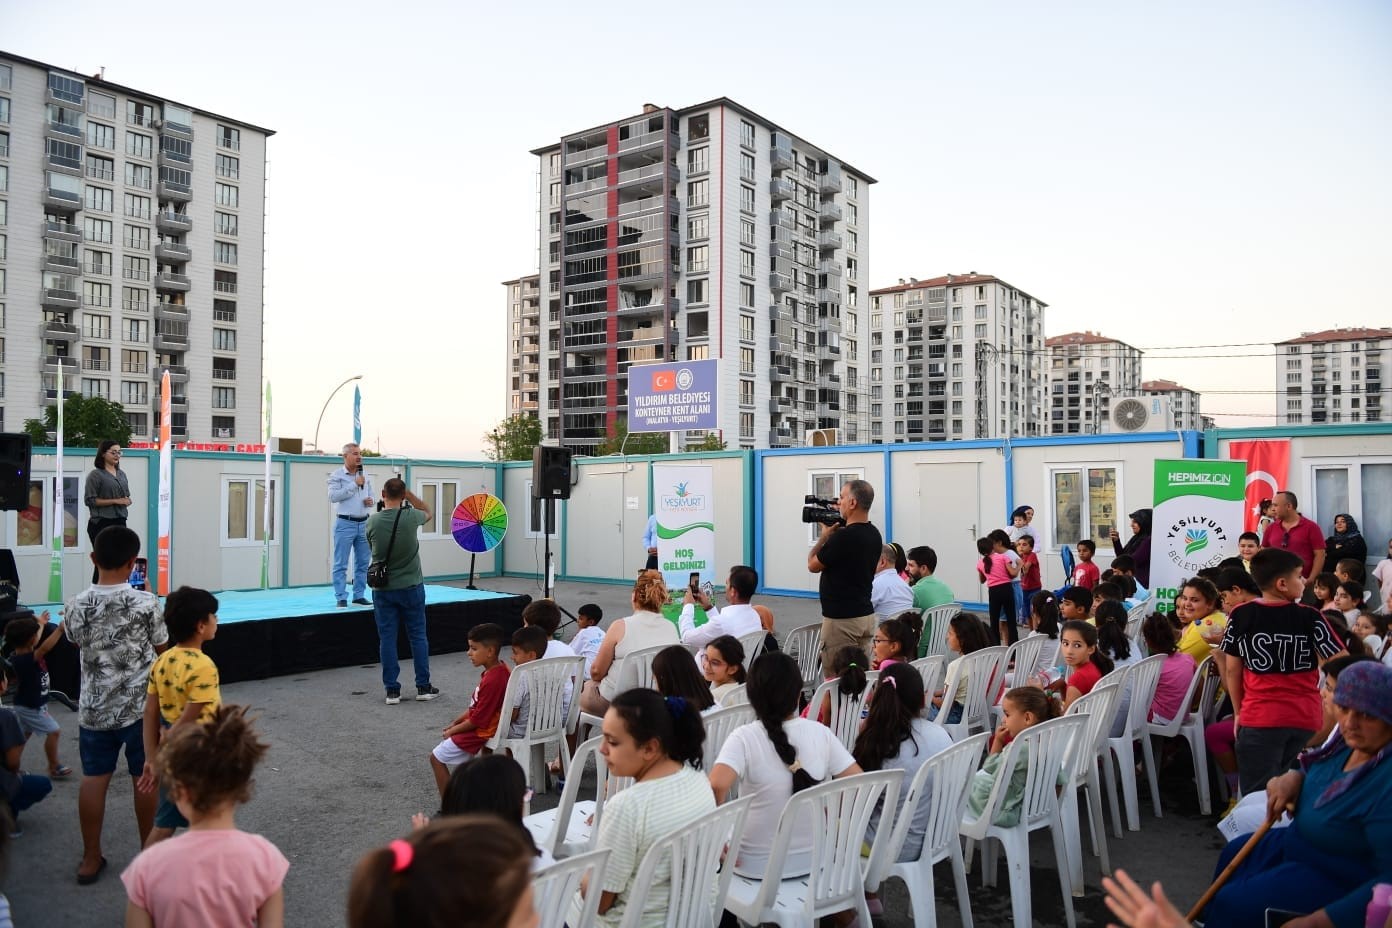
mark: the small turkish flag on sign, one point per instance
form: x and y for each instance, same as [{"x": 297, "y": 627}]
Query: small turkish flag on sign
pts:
[
  {"x": 664, "y": 380},
  {"x": 1268, "y": 463}
]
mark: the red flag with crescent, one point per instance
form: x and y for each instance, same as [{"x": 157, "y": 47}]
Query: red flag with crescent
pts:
[{"x": 1268, "y": 463}]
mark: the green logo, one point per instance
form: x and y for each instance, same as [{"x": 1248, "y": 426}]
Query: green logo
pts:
[{"x": 1195, "y": 540}]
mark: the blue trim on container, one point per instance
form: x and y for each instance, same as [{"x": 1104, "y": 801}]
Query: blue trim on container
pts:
[
  {"x": 1009, "y": 482},
  {"x": 888, "y": 496},
  {"x": 758, "y": 509},
  {"x": 747, "y": 526},
  {"x": 1191, "y": 443}
]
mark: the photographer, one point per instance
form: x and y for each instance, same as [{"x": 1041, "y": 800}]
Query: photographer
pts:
[
  {"x": 394, "y": 529},
  {"x": 845, "y": 555}
]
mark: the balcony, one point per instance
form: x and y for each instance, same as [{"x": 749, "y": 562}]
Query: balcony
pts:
[
  {"x": 585, "y": 372},
  {"x": 65, "y": 264},
  {"x": 176, "y": 312},
  {"x": 780, "y": 283},
  {"x": 172, "y": 338},
  {"x": 101, "y": 365},
  {"x": 58, "y": 331},
  {"x": 174, "y": 191},
  {"x": 780, "y": 404},
  {"x": 177, "y": 374},
  {"x": 829, "y": 241},
  {"x": 57, "y": 363},
  {"x": 828, "y": 352},
  {"x": 830, "y": 180},
  {"x": 829, "y": 212},
  {"x": 165, "y": 280},
  {"x": 649, "y": 172},
  {"x": 61, "y": 231},
  {"x": 59, "y": 298},
  {"x": 64, "y": 200},
  {"x": 780, "y": 374},
  {"x": 177, "y": 400},
  {"x": 781, "y": 189},
  {"x": 781, "y": 157},
  {"x": 829, "y": 268},
  {"x": 780, "y": 438},
  {"x": 828, "y": 295},
  {"x": 169, "y": 221},
  {"x": 780, "y": 252},
  {"x": 173, "y": 252},
  {"x": 782, "y": 219}
]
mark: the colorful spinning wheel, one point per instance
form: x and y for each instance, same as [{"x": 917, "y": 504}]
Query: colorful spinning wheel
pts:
[{"x": 480, "y": 522}]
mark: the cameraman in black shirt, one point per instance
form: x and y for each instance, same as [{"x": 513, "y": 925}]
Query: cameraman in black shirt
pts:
[{"x": 845, "y": 556}]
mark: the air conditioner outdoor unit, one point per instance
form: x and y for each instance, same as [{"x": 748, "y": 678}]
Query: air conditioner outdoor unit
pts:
[
  {"x": 1140, "y": 414},
  {"x": 819, "y": 438}
]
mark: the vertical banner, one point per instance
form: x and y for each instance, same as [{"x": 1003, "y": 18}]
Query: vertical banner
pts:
[
  {"x": 357, "y": 414},
  {"x": 1197, "y": 518},
  {"x": 165, "y": 488},
  {"x": 1268, "y": 464},
  {"x": 55, "y": 568},
  {"x": 266, "y": 499},
  {"x": 685, "y": 510}
]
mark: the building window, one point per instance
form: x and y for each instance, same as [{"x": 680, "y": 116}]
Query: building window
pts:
[
  {"x": 137, "y": 237},
  {"x": 243, "y": 508},
  {"x": 827, "y": 485},
  {"x": 1083, "y": 501},
  {"x": 698, "y": 127},
  {"x": 746, "y": 291},
  {"x": 133, "y": 268},
  {"x": 99, "y": 198},
  {"x": 697, "y": 193},
  {"x": 135, "y": 330},
  {"x": 440, "y": 497},
  {"x": 697, "y": 352},
  {"x": 746, "y": 133},
  {"x": 747, "y": 263},
  {"x": 746, "y": 360},
  {"x": 38, "y": 532},
  {"x": 225, "y": 252},
  {"x": 137, "y": 207},
  {"x": 698, "y": 258},
  {"x": 746, "y": 199},
  {"x": 698, "y": 227},
  {"x": 225, "y": 195},
  {"x": 747, "y": 232},
  {"x": 746, "y": 425},
  {"x": 746, "y": 392},
  {"x": 229, "y": 138},
  {"x": 134, "y": 362},
  {"x": 746, "y": 166},
  {"x": 140, "y": 146},
  {"x": 696, "y": 291},
  {"x": 227, "y": 166},
  {"x": 99, "y": 136},
  {"x": 135, "y": 393},
  {"x": 698, "y": 160},
  {"x": 224, "y": 339}
]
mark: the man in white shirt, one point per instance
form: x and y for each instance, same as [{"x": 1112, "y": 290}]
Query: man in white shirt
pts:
[
  {"x": 889, "y": 594},
  {"x": 737, "y": 618}
]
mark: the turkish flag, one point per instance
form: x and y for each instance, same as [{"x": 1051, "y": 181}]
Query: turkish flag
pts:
[
  {"x": 1268, "y": 463},
  {"x": 663, "y": 381}
]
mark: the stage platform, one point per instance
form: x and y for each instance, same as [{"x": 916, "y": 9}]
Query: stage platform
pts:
[{"x": 272, "y": 633}]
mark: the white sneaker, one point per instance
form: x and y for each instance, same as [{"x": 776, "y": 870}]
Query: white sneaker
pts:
[
  {"x": 427, "y": 694},
  {"x": 394, "y": 698}
]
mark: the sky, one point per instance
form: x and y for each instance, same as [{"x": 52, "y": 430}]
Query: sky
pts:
[{"x": 1177, "y": 174}]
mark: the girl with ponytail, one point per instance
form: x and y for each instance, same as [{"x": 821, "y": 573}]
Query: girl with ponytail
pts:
[{"x": 773, "y": 757}]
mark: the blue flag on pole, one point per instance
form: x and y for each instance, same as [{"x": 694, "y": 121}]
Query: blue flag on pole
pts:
[{"x": 357, "y": 416}]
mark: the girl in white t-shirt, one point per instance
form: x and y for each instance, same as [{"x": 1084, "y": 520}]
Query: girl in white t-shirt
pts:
[
  {"x": 772, "y": 758},
  {"x": 212, "y": 874},
  {"x": 723, "y": 666}
]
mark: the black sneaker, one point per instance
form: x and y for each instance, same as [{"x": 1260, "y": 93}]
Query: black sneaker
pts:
[
  {"x": 361, "y": 601},
  {"x": 426, "y": 694},
  {"x": 393, "y": 697},
  {"x": 343, "y": 604}
]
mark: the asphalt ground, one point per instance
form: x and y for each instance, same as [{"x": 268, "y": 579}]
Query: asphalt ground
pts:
[{"x": 345, "y": 773}]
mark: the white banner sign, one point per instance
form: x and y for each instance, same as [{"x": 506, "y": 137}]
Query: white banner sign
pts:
[
  {"x": 1197, "y": 518},
  {"x": 685, "y": 509}
]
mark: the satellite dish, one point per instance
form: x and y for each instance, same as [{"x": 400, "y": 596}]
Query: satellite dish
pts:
[{"x": 1130, "y": 415}]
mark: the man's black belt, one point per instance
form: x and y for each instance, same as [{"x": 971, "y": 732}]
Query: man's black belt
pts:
[{"x": 354, "y": 518}]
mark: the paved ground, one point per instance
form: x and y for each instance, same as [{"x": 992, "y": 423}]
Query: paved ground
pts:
[{"x": 346, "y": 772}]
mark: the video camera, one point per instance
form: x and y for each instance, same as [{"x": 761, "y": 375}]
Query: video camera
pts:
[{"x": 821, "y": 511}]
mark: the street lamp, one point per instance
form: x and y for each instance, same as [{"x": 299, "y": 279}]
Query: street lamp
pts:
[{"x": 326, "y": 406}]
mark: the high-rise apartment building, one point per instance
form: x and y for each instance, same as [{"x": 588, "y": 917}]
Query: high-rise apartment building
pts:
[
  {"x": 1087, "y": 372},
  {"x": 1181, "y": 402},
  {"x": 703, "y": 232},
  {"x": 131, "y": 242},
  {"x": 524, "y": 346},
  {"x": 1334, "y": 376},
  {"x": 954, "y": 357}
]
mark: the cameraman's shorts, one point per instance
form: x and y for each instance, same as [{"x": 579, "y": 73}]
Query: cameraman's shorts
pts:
[{"x": 841, "y": 633}]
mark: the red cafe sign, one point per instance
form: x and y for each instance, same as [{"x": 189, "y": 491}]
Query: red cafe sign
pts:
[{"x": 203, "y": 446}]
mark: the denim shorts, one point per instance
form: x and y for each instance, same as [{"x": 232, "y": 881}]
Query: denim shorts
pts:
[
  {"x": 99, "y": 750},
  {"x": 35, "y": 721},
  {"x": 168, "y": 814}
]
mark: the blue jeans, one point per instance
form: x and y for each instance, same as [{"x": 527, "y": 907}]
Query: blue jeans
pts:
[
  {"x": 391, "y": 608},
  {"x": 350, "y": 536},
  {"x": 32, "y": 789}
]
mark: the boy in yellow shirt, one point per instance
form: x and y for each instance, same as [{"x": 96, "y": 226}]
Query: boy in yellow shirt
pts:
[{"x": 183, "y": 689}]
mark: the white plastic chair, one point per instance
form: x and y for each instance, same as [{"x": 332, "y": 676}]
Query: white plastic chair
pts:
[
  {"x": 549, "y": 715},
  {"x": 846, "y": 711},
  {"x": 983, "y": 672},
  {"x": 841, "y": 812},
  {"x": 753, "y": 644},
  {"x": 568, "y": 829},
  {"x": 554, "y": 888},
  {"x": 804, "y": 644},
  {"x": 1100, "y": 708},
  {"x": 719, "y": 724},
  {"x": 1046, "y": 748},
  {"x": 943, "y": 782},
  {"x": 935, "y": 621},
  {"x": 1025, "y": 655},
  {"x": 1144, "y": 677},
  {"x": 635, "y": 672},
  {"x": 931, "y": 669},
  {"x": 739, "y": 696},
  {"x": 698, "y": 882},
  {"x": 1190, "y": 727}
]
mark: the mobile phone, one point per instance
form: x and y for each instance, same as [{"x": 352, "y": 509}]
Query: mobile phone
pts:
[{"x": 694, "y": 582}]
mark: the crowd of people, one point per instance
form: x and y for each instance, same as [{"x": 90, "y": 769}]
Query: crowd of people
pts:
[{"x": 151, "y": 693}]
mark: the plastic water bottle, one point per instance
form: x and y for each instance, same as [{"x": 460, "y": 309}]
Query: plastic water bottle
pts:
[{"x": 1381, "y": 906}]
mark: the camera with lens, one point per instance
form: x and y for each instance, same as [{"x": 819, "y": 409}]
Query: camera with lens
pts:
[{"x": 821, "y": 511}]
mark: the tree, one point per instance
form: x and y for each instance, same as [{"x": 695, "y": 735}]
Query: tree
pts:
[
  {"x": 637, "y": 442},
  {"x": 513, "y": 439},
  {"x": 712, "y": 442},
  {"x": 87, "y": 421}
]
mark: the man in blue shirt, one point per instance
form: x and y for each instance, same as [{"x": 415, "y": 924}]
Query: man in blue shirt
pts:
[
  {"x": 650, "y": 542},
  {"x": 350, "y": 492}
]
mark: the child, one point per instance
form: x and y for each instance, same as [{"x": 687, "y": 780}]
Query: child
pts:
[
  {"x": 1348, "y": 599},
  {"x": 459, "y": 872},
  {"x": 1125, "y": 565},
  {"x": 1324, "y": 586},
  {"x": 183, "y": 689},
  {"x": 998, "y": 569},
  {"x": 528, "y": 644},
  {"x": 466, "y": 736},
  {"x": 20, "y": 789},
  {"x": 1349, "y": 569},
  {"x": 1372, "y": 628},
  {"x": 1085, "y": 663},
  {"x": 1086, "y": 574},
  {"x": 1022, "y": 707},
  {"x": 546, "y": 615},
  {"x": 675, "y": 674},
  {"x": 1075, "y": 605},
  {"x": 1200, "y": 622},
  {"x": 1044, "y": 621},
  {"x": 966, "y": 635},
  {"x": 213, "y": 874},
  {"x": 24, "y": 636},
  {"x": 1175, "y": 672},
  {"x": 1275, "y": 691},
  {"x": 1030, "y": 579},
  {"x": 1236, "y": 587},
  {"x": 724, "y": 668},
  {"x": 848, "y": 665},
  {"x": 493, "y": 784},
  {"x": 1248, "y": 544},
  {"x": 1113, "y": 644},
  {"x": 587, "y": 639},
  {"x": 1106, "y": 592},
  {"x": 1125, "y": 584},
  {"x": 1382, "y": 573},
  {"x": 118, "y": 630},
  {"x": 896, "y": 640}
]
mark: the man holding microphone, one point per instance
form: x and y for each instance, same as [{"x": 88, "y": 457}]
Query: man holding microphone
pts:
[{"x": 350, "y": 492}]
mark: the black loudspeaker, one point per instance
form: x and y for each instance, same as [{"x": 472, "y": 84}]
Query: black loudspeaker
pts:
[
  {"x": 550, "y": 472},
  {"x": 14, "y": 471}
]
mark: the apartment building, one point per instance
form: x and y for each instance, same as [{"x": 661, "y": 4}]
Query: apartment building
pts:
[
  {"x": 1334, "y": 376},
  {"x": 131, "y": 243},
  {"x": 1087, "y": 372},
  {"x": 524, "y": 346},
  {"x": 703, "y": 232},
  {"x": 955, "y": 357},
  {"x": 1181, "y": 402}
]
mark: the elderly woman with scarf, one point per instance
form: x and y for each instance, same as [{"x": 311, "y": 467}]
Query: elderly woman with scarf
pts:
[
  {"x": 1346, "y": 542},
  {"x": 1138, "y": 547},
  {"x": 1340, "y": 842}
]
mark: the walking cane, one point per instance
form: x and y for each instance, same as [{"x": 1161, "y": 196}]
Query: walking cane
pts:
[{"x": 1231, "y": 868}]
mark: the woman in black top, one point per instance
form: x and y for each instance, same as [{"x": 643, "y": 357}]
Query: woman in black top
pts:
[
  {"x": 107, "y": 492},
  {"x": 1346, "y": 542}
]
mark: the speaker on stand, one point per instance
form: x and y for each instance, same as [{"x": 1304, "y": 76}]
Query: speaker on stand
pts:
[{"x": 551, "y": 479}]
